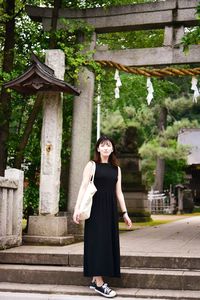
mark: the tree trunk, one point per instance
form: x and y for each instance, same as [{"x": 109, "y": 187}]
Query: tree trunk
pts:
[
  {"x": 160, "y": 163},
  {"x": 159, "y": 177},
  {"x": 5, "y": 98},
  {"x": 24, "y": 140}
]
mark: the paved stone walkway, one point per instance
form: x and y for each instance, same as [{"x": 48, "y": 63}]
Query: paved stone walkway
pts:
[{"x": 179, "y": 238}]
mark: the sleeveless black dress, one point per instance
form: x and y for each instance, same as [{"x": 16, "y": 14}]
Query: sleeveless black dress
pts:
[{"x": 101, "y": 234}]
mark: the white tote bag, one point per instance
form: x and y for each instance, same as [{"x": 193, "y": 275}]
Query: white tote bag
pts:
[{"x": 86, "y": 202}]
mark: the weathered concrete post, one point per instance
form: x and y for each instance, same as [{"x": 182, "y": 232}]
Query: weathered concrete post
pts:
[
  {"x": 51, "y": 139},
  {"x": 173, "y": 36},
  {"x": 15, "y": 174},
  {"x": 180, "y": 189},
  {"x": 15, "y": 207},
  {"x": 81, "y": 137},
  {"x": 47, "y": 228}
]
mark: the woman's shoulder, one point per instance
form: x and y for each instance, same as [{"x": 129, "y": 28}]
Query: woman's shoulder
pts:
[
  {"x": 89, "y": 163},
  {"x": 88, "y": 168}
]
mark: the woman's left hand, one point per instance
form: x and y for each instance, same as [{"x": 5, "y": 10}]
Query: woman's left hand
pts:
[{"x": 127, "y": 220}]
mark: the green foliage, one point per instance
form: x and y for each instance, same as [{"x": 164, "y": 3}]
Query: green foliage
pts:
[
  {"x": 79, "y": 4},
  {"x": 31, "y": 199},
  {"x": 133, "y": 39},
  {"x": 192, "y": 35},
  {"x": 173, "y": 130},
  {"x": 186, "y": 109},
  {"x": 163, "y": 149},
  {"x": 31, "y": 167},
  {"x": 77, "y": 26},
  {"x": 117, "y": 114},
  {"x": 174, "y": 172},
  {"x": 183, "y": 104},
  {"x": 166, "y": 147}
]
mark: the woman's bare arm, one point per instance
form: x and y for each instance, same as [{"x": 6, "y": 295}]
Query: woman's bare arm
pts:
[
  {"x": 87, "y": 173},
  {"x": 121, "y": 200}
]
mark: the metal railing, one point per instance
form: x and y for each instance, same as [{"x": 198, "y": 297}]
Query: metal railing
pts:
[{"x": 160, "y": 203}]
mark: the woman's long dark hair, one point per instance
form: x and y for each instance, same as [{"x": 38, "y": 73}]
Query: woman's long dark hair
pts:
[{"x": 112, "y": 158}]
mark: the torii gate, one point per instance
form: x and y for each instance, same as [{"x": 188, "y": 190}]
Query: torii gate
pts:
[{"x": 172, "y": 16}]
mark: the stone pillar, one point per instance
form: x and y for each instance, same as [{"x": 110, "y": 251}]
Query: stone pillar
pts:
[
  {"x": 51, "y": 140},
  {"x": 3, "y": 207},
  {"x": 81, "y": 134},
  {"x": 47, "y": 228},
  {"x": 173, "y": 36},
  {"x": 180, "y": 200},
  {"x": 81, "y": 137},
  {"x": 17, "y": 205}
]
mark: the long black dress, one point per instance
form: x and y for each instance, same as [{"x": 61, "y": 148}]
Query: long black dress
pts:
[{"x": 101, "y": 236}]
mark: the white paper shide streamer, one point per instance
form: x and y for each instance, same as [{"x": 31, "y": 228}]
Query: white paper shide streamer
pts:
[
  {"x": 195, "y": 89},
  {"x": 118, "y": 84},
  {"x": 150, "y": 90}
]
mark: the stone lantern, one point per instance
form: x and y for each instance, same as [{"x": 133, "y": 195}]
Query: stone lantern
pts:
[{"x": 48, "y": 227}]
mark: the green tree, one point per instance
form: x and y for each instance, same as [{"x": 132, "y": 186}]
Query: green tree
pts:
[
  {"x": 8, "y": 40},
  {"x": 192, "y": 35}
]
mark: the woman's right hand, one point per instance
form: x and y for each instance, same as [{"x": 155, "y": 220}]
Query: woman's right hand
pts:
[
  {"x": 76, "y": 217},
  {"x": 127, "y": 220}
]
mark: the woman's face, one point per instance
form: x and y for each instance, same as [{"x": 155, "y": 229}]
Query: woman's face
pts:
[{"x": 105, "y": 148}]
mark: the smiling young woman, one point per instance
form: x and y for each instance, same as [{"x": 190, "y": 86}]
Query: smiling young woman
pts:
[{"x": 101, "y": 235}]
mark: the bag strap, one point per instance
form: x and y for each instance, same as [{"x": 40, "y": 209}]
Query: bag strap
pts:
[{"x": 93, "y": 171}]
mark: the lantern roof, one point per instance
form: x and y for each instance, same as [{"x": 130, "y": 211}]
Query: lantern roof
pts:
[{"x": 40, "y": 78}]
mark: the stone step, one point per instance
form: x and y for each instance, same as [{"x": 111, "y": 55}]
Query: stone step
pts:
[
  {"x": 60, "y": 259},
  {"x": 70, "y": 259},
  {"x": 85, "y": 291},
  {"x": 131, "y": 278},
  {"x": 48, "y": 240}
]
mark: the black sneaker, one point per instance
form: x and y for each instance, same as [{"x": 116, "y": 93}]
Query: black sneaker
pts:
[
  {"x": 93, "y": 285},
  {"x": 105, "y": 291}
]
